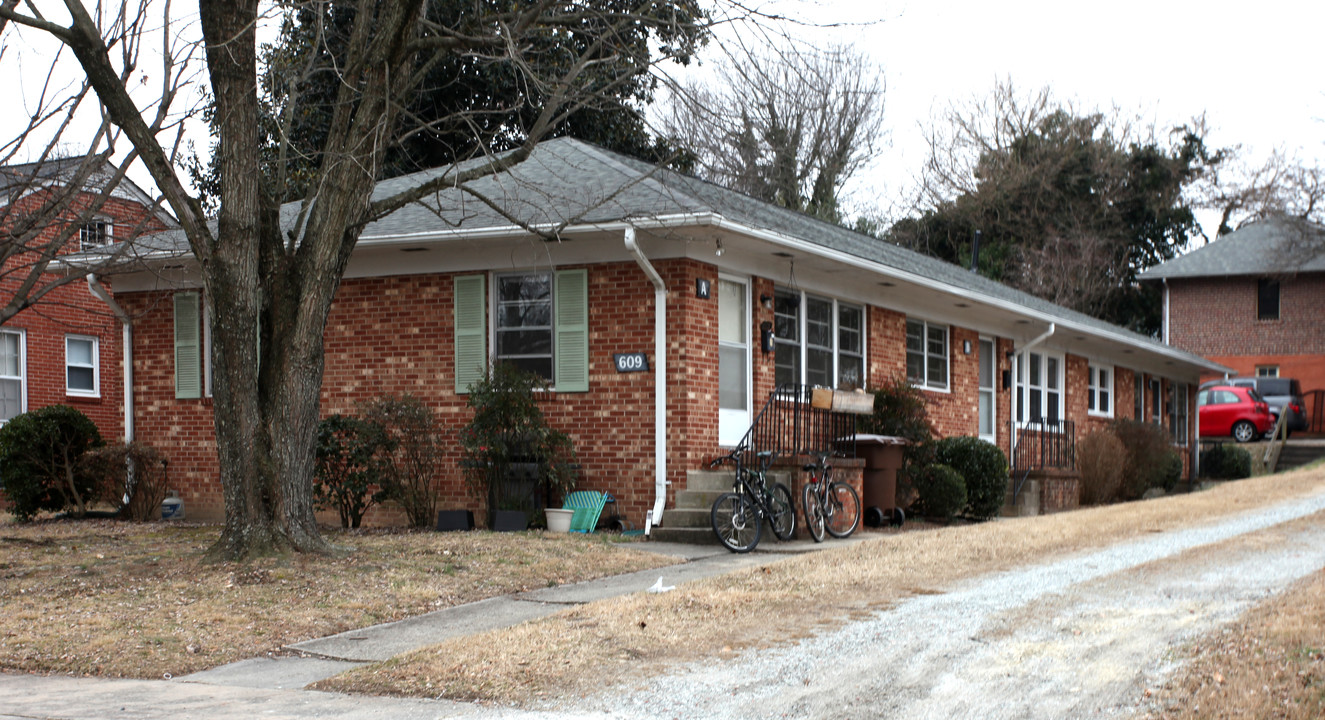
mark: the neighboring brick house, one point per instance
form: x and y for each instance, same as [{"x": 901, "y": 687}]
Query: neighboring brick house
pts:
[
  {"x": 68, "y": 348},
  {"x": 432, "y": 293},
  {"x": 1253, "y": 300}
]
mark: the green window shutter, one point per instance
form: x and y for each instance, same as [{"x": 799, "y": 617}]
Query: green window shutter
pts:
[
  {"x": 572, "y": 341},
  {"x": 188, "y": 351},
  {"x": 471, "y": 357}
]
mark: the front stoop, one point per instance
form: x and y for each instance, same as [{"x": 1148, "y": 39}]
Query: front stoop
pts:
[
  {"x": 1027, "y": 503},
  {"x": 689, "y": 521}
]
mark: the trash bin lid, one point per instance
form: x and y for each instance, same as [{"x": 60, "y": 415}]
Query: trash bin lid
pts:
[{"x": 882, "y": 439}]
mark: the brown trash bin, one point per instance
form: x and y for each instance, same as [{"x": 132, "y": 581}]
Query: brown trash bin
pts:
[{"x": 883, "y": 458}]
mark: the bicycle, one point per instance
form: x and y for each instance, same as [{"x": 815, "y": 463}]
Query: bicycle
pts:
[
  {"x": 829, "y": 505},
  {"x": 738, "y": 516}
]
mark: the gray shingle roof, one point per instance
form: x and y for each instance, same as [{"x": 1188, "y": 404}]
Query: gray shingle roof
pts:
[
  {"x": 572, "y": 183},
  {"x": 1267, "y": 247}
]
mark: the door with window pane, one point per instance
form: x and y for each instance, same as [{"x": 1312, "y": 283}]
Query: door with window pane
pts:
[
  {"x": 987, "y": 395},
  {"x": 733, "y": 361}
]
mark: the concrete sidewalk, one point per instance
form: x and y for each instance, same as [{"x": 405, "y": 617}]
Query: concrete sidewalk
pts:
[
  {"x": 324, "y": 657},
  {"x": 272, "y": 687}
]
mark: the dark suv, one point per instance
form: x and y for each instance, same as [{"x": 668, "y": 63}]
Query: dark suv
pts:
[{"x": 1278, "y": 393}]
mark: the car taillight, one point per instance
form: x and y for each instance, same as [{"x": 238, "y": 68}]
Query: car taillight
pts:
[
  {"x": 1295, "y": 408},
  {"x": 1262, "y": 407}
]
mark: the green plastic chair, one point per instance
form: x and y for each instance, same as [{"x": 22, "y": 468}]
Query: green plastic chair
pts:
[{"x": 588, "y": 505}]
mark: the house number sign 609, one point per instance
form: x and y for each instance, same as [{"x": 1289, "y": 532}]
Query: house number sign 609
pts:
[{"x": 631, "y": 362}]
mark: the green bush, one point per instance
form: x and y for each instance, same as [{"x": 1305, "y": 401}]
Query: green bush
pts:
[
  {"x": 1225, "y": 462},
  {"x": 984, "y": 469},
  {"x": 138, "y": 494},
  {"x": 1100, "y": 459},
  {"x": 39, "y": 467},
  {"x": 942, "y": 491},
  {"x": 1172, "y": 471},
  {"x": 508, "y": 428},
  {"x": 412, "y": 458},
  {"x": 1146, "y": 463},
  {"x": 352, "y": 456}
]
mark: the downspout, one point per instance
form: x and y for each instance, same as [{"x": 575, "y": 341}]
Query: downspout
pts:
[
  {"x": 1166, "y": 312},
  {"x": 126, "y": 322},
  {"x": 1016, "y": 377},
  {"x": 654, "y": 516}
]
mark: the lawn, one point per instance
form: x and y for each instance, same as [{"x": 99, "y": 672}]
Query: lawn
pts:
[{"x": 117, "y": 599}]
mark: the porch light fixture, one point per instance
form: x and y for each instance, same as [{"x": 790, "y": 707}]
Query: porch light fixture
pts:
[
  {"x": 966, "y": 347},
  {"x": 720, "y": 249},
  {"x": 766, "y": 301}
]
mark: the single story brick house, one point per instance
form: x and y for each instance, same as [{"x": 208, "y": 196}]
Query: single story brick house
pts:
[
  {"x": 1251, "y": 300},
  {"x": 68, "y": 348},
  {"x": 715, "y": 297}
]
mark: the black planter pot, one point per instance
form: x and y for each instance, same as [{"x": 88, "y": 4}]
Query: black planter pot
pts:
[{"x": 508, "y": 520}]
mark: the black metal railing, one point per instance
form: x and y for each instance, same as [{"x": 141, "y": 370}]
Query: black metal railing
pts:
[
  {"x": 1042, "y": 443},
  {"x": 789, "y": 424}
]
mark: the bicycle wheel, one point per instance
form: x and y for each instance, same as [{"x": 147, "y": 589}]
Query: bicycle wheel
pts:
[
  {"x": 783, "y": 512},
  {"x": 842, "y": 509},
  {"x": 735, "y": 522},
  {"x": 813, "y": 508}
]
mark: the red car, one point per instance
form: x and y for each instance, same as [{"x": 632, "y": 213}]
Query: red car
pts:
[{"x": 1237, "y": 411}]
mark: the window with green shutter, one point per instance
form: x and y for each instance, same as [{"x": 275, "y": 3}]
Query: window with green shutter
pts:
[{"x": 188, "y": 355}]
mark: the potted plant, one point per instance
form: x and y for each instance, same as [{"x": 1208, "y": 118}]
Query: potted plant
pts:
[{"x": 511, "y": 457}]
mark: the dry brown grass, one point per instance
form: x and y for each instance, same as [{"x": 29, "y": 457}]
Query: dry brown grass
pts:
[
  {"x": 117, "y": 599},
  {"x": 590, "y": 646},
  {"x": 1270, "y": 664}
]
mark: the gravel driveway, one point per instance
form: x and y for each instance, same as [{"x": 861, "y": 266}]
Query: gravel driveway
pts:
[{"x": 1083, "y": 636}]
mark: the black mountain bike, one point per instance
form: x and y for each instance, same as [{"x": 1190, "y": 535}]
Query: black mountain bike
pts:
[
  {"x": 829, "y": 505},
  {"x": 738, "y": 516}
]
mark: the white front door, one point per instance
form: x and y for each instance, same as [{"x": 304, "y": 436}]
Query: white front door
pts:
[{"x": 733, "y": 361}]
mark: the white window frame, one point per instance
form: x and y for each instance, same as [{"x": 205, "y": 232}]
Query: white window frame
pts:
[
  {"x": 107, "y": 233},
  {"x": 95, "y": 366},
  {"x": 925, "y": 383},
  {"x": 495, "y": 301},
  {"x": 991, "y": 390},
  {"x": 1267, "y": 371},
  {"x": 22, "y": 376},
  {"x": 1025, "y": 389},
  {"x": 801, "y": 343},
  {"x": 1094, "y": 388}
]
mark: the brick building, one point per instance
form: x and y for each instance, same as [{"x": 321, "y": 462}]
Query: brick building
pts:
[
  {"x": 723, "y": 296},
  {"x": 1251, "y": 300},
  {"x": 68, "y": 348}
]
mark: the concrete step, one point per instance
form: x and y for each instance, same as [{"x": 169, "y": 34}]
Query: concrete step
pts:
[
  {"x": 688, "y": 535},
  {"x": 688, "y": 517},
  {"x": 715, "y": 481},
  {"x": 1027, "y": 503},
  {"x": 697, "y": 500}
]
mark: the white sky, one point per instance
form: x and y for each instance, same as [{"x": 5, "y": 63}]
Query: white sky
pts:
[{"x": 1252, "y": 68}]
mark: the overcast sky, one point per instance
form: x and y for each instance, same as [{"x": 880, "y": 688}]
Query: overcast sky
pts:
[{"x": 1253, "y": 68}]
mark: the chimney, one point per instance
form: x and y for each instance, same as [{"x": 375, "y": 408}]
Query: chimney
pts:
[{"x": 975, "y": 252}]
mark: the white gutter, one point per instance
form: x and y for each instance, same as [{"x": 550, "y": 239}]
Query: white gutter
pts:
[
  {"x": 654, "y": 516},
  {"x": 99, "y": 291},
  {"x": 1016, "y": 377}
]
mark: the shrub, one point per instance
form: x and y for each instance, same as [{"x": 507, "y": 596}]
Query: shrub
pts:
[
  {"x": 1225, "y": 462},
  {"x": 1100, "y": 461},
  {"x": 1171, "y": 471},
  {"x": 39, "y": 453},
  {"x": 942, "y": 491},
  {"x": 411, "y": 460},
  {"x": 984, "y": 469},
  {"x": 900, "y": 411},
  {"x": 131, "y": 477},
  {"x": 352, "y": 456},
  {"x": 508, "y": 427},
  {"x": 1146, "y": 448}
]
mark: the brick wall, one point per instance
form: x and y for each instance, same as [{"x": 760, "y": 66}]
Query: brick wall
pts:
[
  {"x": 1216, "y": 318},
  {"x": 72, "y": 309}
]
